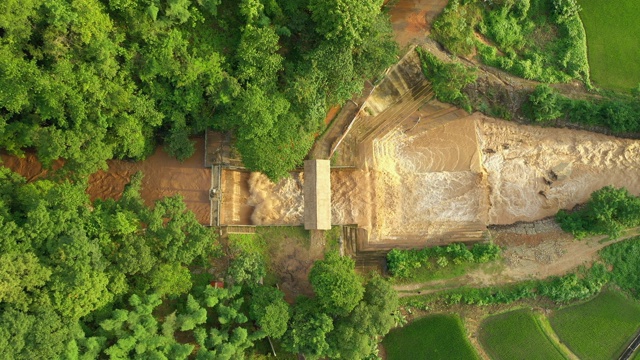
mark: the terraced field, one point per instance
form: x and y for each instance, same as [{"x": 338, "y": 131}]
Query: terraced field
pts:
[
  {"x": 612, "y": 42},
  {"x": 517, "y": 335},
  {"x": 600, "y": 328},
  {"x": 433, "y": 337}
]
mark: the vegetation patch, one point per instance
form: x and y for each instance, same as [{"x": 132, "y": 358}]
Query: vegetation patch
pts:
[
  {"x": 447, "y": 79},
  {"x": 600, "y": 328},
  {"x": 541, "y": 40},
  {"x": 423, "y": 264},
  {"x": 608, "y": 212},
  {"x": 433, "y": 337},
  {"x": 579, "y": 285},
  {"x": 105, "y": 80},
  {"x": 613, "y": 53},
  {"x": 624, "y": 259},
  {"x": 517, "y": 335}
]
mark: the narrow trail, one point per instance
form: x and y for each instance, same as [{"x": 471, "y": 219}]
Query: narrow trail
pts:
[{"x": 575, "y": 253}]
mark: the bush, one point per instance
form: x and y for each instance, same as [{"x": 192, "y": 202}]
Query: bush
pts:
[
  {"x": 513, "y": 28},
  {"x": 575, "y": 287},
  {"x": 447, "y": 79},
  {"x": 565, "y": 10},
  {"x": 403, "y": 263},
  {"x": 618, "y": 114},
  {"x": 545, "y": 105},
  {"x": 454, "y": 27},
  {"x": 483, "y": 253},
  {"x": 608, "y": 212}
]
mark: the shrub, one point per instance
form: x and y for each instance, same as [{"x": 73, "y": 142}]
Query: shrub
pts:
[
  {"x": 483, "y": 253},
  {"x": 454, "y": 27},
  {"x": 545, "y": 105},
  {"x": 447, "y": 79},
  {"x": 511, "y": 25},
  {"x": 402, "y": 263},
  {"x": 575, "y": 287},
  {"x": 618, "y": 114},
  {"x": 608, "y": 212},
  {"x": 565, "y": 9}
]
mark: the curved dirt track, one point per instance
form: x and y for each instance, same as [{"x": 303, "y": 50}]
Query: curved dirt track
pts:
[{"x": 526, "y": 257}]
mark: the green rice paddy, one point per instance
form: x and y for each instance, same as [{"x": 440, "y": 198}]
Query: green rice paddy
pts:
[
  {"x": 433, "y": 337},
  {"x": 517, "y": 335},
  {"x": 613, "y": 28},
  {"x": 600, "y": 328}
]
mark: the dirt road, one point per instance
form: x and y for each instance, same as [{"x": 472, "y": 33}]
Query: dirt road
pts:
[{"x": 526, "y": 257}]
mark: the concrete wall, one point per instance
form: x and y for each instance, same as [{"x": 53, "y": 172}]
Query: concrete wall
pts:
[{"x": 317, "y": 195}]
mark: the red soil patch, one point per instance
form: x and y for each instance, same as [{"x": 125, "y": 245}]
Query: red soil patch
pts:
[
  {"x": 412, "y": 19},
  {"x": 163, "y": 176},
  {"x": 332, "y": 114}
]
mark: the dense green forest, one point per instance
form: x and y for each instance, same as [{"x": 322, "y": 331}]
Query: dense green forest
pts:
[
  {"x": 116, "y": 279},
  {"x": 91, "y": 80}
]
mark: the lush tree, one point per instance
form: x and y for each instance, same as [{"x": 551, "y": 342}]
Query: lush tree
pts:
[
  {"x": 269, "y": 310},
  {"x": 337, "y": 286},
  {"x": 357, "y": 336},
  {"x": 227, "y": 338},
  {"x": 20, "y": 274},
  {"x": 170, "y": 279},
  {"x": 345, "y": 20},
  {"x": 308, "y": 330},
  {"x": 67, "y": 261},
  {"x": 608, "y": 212},
  {"x": 545, "y": 105},
  {"x": 247, "y": 269},
  {"x": 136, "y": 333},
  {"x": 94, "y": 80},
  {"x": 193, "y": 315},
  {"x": 37, "y": 335}
]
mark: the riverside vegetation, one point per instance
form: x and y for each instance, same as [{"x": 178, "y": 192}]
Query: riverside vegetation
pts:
[
  {"x": 118, "y": 279},
  {"x": 541, "y": 40},
  {"x": 92, "y": 80}
]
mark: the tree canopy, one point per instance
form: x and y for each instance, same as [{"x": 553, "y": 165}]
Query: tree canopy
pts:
[
  {"x": 609, "y": 211},
  {"x": 338, "y": 287},
  {"x": 91, "y": 80},
  {"x": 345, "y": 320},
  {"x": 67, "y": 261}
]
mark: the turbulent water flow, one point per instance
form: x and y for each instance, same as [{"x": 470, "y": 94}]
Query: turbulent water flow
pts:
[
  {"x": 412, "y": 199},
  {"x": 466, "y": 171},
  {"x": 533, "y": 172}
]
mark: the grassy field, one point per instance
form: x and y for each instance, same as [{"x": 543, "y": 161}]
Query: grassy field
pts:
[
  {"x": 517, "y": 335},
  {"x": 433, "y": 337},
  {"x": 612, "y": 42},
  {"x": 600, "y": 328}
]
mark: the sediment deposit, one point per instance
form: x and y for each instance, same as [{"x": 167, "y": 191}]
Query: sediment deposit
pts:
[{"x": 533, "y": 172}]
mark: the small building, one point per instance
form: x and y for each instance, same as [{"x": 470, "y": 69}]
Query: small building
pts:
[
  {"x": 317, "y": 195},
  {"x": 217, "y": 284}
]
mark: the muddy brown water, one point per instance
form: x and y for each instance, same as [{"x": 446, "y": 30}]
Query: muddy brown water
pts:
[
  {"x": 163, "y": 176},
  {"x": 412, "y": 19},
  {"x": 460, "y": 173}
]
